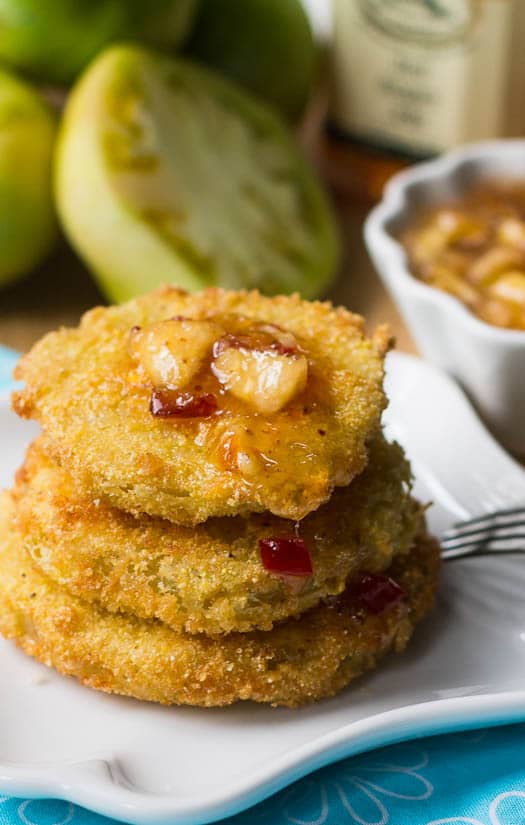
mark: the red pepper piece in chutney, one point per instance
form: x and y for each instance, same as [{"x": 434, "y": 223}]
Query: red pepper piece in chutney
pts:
[
  {"x": 377, "y": 593},
  {"x": 287, "y": 555},
  {"x": 260, "y": 338},
  {"x": 370, "y": 592},
  {"x": 174, "y": 404}
]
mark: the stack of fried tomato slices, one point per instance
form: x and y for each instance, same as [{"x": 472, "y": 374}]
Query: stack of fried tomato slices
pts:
[{"x": 211, "y": 512}]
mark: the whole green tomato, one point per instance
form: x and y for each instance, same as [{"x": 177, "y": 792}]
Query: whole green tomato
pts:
[
  {"x": 53, "y": 40},
  {"x": 27, "y": 220},
  {"x": 265, "y": 45}
]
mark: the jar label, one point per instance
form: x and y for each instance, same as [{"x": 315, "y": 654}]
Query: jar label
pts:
[{"x": 421, "y": 75}]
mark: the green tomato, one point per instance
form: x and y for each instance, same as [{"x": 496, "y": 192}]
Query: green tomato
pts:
[
  {"x": 266, "y": 45},
  {"x": 27, "y": 219},
  {"x": 168, "y": 173},
  {"x": 54, "y": 40}
]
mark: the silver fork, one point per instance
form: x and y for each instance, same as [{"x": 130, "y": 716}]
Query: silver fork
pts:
[
  {"x": 477, "y": 489},
  {"x": 502, "y": 531}
]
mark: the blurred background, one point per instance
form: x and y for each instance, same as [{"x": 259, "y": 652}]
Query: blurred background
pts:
[{"x": 164, "y": 141}]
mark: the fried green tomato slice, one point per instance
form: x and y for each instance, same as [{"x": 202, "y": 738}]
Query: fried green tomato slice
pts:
[
  {"x": 297, "y": 662},
  {"x": 212, "y": 404},
  {"x": 167, "y": 172},
  {"x": 212, "y": 578}
]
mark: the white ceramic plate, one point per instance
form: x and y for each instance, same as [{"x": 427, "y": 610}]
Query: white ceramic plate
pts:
[{"x": 466, "y": 666}]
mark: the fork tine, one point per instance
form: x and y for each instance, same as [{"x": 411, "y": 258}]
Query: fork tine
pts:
[
  {"x": 477, "y": 553},
  {"x": 494, "y": 544},
  {"x": 503, "y": 530},
  {"x": 504, "y": 540},
  {"x": 497, "y": 515},
  {"x": 450, "y": 555}
]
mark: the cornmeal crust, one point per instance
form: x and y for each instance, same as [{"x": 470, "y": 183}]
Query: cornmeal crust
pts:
[{"x": 297, "y": 662}]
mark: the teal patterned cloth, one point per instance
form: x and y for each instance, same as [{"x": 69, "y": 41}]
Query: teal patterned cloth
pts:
[{"x": 471, "y": 778}]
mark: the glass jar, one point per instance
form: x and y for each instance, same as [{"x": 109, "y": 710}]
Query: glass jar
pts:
[{"x": 412, "y": 78}]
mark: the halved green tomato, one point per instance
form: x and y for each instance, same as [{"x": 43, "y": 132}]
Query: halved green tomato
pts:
[
  {"x": 27, "y": 218},
  {"x": 53, "y": 40},
  {"x": 168, "y": 173}
]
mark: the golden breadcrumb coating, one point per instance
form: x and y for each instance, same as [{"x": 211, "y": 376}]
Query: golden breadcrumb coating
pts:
[
  {"x": 82, "y": 385},
  {"x": 297, "y": 662},
  {"x": 210, "y": 578}
]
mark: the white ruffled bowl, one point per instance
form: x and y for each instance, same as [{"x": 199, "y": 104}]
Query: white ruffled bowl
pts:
[{"x": 488, "y": 361}]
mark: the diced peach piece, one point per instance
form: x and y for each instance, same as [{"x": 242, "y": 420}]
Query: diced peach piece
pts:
[
  {"x": 459, "y": 227},
  {"x": 497, "y": 313},
  {"x": 283, "y": 341},
  {"x": 448, "y": 226},
  {"x": 171, "y": 352},
  {"x": 448, "y": 281},
  {"x": 498, "y": 259},
  {"x": 265, "y": 379},
  {"x": 428, "y": 244},
  {"x": 510, "y": 287},
  {"x": 511, "y": 232}
]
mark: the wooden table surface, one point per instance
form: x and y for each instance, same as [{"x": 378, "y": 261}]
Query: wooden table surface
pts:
[{"x": 62, "y": 290}]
